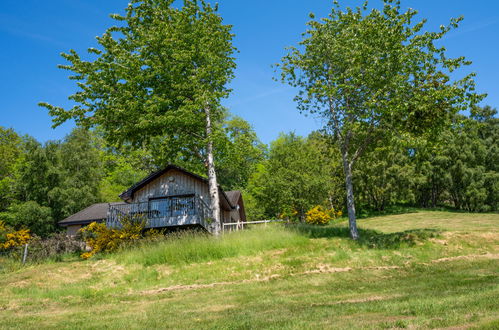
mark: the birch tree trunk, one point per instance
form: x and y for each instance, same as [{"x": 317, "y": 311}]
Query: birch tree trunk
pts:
[
  {"x": 352, "y": 221},
  {"x": 212, "y": 177}
]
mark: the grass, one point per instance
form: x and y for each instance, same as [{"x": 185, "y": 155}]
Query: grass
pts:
[
  {"x": 422, "y": 269},
  {"x": 192, "y": 247}
]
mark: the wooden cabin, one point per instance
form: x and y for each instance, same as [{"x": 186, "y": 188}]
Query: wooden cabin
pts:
[{"x": 170, "y": 198}]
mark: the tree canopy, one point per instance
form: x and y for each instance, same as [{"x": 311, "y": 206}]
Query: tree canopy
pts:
[
  {"x": 371, "y": 73},
  {"x": 158, "y": 76}
]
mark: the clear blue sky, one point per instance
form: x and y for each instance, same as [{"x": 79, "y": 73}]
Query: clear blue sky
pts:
[{"x": 34, "y": 32}]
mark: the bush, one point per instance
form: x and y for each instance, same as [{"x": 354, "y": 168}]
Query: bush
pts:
[
  {"x": 55, "y": 246},
  {"x": 10, "y": 238},
  {"x": 318, "y": 215},
  {"x": 100, "y": 238}
]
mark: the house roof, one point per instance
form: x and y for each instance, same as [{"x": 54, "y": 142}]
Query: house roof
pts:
[
  {"x": 95, "y": 212},
  {"x": 233, "y": 196},
  {"x": 130, "y": 191}
]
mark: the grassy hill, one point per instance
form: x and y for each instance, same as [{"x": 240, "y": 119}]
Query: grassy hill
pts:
[{"x": 422, "y": 269}]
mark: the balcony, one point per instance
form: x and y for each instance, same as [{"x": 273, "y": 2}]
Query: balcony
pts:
[{"x": 168, "y": 211}]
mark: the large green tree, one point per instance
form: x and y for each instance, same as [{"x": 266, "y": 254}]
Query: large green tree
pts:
[
  {"x": 159, "y": 74},
  {"x": 238, "y": 151},
  {"x": 385, "y": 176},
  {"x": 10, "y": 149},
  {"x": 372, "y": 73},
  {"x": 295, "y": 177}
]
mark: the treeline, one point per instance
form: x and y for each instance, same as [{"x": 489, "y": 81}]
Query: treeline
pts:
[
  {"x": 459, "y": 169},
  {"x": 41, "y": 184}
]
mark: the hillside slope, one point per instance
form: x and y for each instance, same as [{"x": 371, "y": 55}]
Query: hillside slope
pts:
[{"x": 424, "y": 269}]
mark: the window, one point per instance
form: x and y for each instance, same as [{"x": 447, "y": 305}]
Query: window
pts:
[{"x": 172, "y": 206}]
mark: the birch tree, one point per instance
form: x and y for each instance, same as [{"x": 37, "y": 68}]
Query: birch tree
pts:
[
  {"x": 371, "y": 73},
  {"x": 160, "y": 73}
]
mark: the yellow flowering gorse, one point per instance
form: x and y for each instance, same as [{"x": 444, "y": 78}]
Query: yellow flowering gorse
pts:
[{"x": 10, "y": 238}]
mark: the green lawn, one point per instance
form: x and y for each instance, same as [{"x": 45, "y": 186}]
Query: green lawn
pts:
[{"x": 424, "y": 270}]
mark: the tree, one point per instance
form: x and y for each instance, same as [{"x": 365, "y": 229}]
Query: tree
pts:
[
  {"x": 10, "y": 149},
  {"x": 62, "y": 176},
  {"x": 238, "y": 151},
  {"x": 384, "y": 176},
  {"x": 159, "y": 75},
  {"x": 80, "y": 171},
  {"x": 38, "y": 171},
  {"x": 31, "y": 215},
  {"x": 295, "y": 177},
  {"x": 372, "y": 74}
]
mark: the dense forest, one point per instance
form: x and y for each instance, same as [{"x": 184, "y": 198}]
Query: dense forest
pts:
[{"x": 41, "y": 184}]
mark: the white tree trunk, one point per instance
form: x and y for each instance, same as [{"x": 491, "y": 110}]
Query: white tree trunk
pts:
[
  {"x": 352, "y": 220},
  {"x": 212, "y": 177}
]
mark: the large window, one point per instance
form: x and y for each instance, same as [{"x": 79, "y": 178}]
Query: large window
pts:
[{"x": 172, "y": 206}]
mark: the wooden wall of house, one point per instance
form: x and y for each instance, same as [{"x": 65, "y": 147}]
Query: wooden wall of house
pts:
[
  {"x": 172, "y": 183},
  {"x": 72, "y": 230},
  {"x": 235, "y": 216}
]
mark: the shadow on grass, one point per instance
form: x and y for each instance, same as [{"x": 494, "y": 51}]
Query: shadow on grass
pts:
[{"x": 372, "y": 239}]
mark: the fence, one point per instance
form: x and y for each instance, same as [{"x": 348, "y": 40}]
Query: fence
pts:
[{"x": 235, "y": 226}]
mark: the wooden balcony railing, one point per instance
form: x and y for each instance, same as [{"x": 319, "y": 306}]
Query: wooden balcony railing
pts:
[{"x": 163, "y": 212}]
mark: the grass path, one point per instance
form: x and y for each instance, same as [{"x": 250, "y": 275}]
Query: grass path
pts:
[{"x": 311, "y": 278}]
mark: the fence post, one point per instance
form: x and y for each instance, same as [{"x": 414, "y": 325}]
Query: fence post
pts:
[{"x": 25, "y": 254}]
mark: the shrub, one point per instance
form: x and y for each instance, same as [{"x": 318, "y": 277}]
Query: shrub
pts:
[
  {"x": 289, "y": 214},
  {"x": 318, "y": 215},
  {"x": 100, "y": 238},
  {"x": 55, "y": 246},
  {"x": 10, "y": 238}
]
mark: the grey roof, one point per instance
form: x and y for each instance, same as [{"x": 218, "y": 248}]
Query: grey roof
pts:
[
  {"x": 233, "y": 196},
  {"x": 95, "y": 212}
]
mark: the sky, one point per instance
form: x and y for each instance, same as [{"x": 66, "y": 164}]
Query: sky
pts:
[{"x": 35, "y": 32}]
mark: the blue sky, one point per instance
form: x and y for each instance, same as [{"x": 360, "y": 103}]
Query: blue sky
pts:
[{"x": 35, "y": 32}]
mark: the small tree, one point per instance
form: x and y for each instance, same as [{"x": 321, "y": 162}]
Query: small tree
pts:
[
  {"x": 159, "y": 75},
  {"x": 372, "y": 74}
]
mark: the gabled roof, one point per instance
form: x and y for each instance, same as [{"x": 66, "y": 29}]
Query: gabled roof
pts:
[
  {"x": 130, "y": 191},
  {"x": 233, "y": 196},
  {"x": 95, "y": 212}
]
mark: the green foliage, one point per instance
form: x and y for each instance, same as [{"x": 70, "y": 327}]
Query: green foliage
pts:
[
  {"x": 368, "y": 70},
  {"x": 384, "y": 176},
  {"x": 30, "y": 215},
  {"x": 238, "y": 151},
  {"x": 10, "y": 149},
  {"x": 63, "y": 176},
  {"x": 152, "y": 76},
  {"x": 372, "y": 74},
  {"x": 80, "y": 173},
  {"x": 297, "y": 175}
]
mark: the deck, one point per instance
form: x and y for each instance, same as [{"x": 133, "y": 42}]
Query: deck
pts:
[{"x": 168, "y": 211}]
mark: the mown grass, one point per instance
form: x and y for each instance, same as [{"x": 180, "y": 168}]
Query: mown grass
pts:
[{"x": 436, "y": 271}]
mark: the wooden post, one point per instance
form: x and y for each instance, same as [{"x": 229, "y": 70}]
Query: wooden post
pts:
[{"x": 25, "y": 254}]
